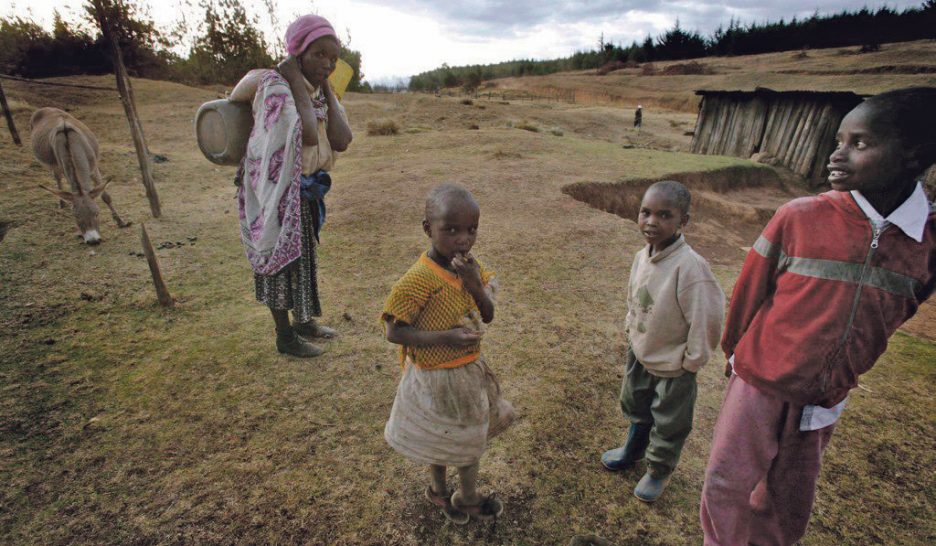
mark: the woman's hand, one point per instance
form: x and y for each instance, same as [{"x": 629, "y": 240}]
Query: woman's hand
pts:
[
  {"x": 289, "y": 68},
  {"x": 327, "y": 89}
]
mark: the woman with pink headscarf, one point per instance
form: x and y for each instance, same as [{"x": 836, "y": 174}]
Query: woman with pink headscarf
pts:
[{"x": 299, "y": 125}]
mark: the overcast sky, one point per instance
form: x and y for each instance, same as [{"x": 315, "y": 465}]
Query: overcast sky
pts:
[{"x": 399, "y": 38}]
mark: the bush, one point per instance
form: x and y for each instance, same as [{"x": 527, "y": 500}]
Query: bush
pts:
[
  {"x": 527, "y": 126},
  {"x": 615, "y": 65},
  {"x": 686, "y": 69},
  {"x": 382, "y": 127}
]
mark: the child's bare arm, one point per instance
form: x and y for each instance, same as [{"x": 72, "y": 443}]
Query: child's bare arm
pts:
[
  {"x": 469, "y": 272},
  {"x": 339, "y": 134},
  {"x": 290, "y": 71},
  {"x": 401, "y": 333}
]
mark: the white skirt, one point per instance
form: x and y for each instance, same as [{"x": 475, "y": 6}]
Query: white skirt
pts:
[{"x": 445, "y": 417}]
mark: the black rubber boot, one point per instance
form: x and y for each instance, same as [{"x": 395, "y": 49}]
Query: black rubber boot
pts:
[
  {"x": 312, "y": 329},
  {"x": 288, "y": 343},
  {"x": 624, "y": 457}
]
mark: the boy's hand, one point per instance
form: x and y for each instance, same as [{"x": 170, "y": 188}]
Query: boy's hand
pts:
[
  {"x": 462, "y": 337},
  {"x": 289, "y": 68},
  {"x": 468, "y": 270}
]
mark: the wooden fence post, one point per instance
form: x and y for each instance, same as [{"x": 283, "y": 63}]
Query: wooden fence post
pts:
[
  {"x": 162, "y": 291},
  {"x": 126, "y": 97},
  {"x": 9, "y": 118}
]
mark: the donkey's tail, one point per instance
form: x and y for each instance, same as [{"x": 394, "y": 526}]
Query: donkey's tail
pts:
[{"x": 64, "y": 143}]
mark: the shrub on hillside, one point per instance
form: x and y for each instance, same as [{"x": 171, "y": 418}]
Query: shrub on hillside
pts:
[
  {"x": 609, "y": 67},
  {"x": 686, "y": 69},
  {"x": 382, "y": 127}
]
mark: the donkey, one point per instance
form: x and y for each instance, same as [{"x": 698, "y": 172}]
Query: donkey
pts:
[{"x": 70, "y": 149}]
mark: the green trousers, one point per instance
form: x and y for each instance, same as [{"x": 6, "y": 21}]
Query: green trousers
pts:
[{"x": 667, "y": 403}]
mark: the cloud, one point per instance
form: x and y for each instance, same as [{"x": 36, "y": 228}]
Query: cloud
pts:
[{"x": 515, "y": 18}]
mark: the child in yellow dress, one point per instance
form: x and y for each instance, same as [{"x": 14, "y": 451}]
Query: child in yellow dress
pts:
[{"x": 448, "y": 402}]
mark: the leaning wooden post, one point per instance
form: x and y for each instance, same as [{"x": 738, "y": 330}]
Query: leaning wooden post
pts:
[
  {"x": 162, "y": 291},
  {"x": 9, "y": 118},
  {"x": 126, "y": 97}
]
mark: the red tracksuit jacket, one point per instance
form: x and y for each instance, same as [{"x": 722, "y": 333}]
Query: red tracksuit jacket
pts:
[{"x": 820, "y": 294}]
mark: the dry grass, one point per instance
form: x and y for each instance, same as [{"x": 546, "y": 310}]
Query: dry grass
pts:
[
  {"x": 822, "y": 70},
  {"x": 383, "y": 127},
  {"x": 121, "y": 423}
]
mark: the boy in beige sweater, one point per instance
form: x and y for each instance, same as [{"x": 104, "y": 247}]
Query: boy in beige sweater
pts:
[{"x": 674, "y": 321}]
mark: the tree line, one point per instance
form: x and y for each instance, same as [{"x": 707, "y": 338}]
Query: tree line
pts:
[
  {"x": 868, "y": 28},
  {"x": 222, "y": 46}
]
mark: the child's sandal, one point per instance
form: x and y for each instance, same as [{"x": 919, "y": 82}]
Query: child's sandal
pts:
[
  {"x": 453, "y": 514},
  {"x": 490, "y": 507}
]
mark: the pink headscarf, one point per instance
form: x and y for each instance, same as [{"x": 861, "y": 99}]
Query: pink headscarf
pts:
[{"x": 305, "y": 30}]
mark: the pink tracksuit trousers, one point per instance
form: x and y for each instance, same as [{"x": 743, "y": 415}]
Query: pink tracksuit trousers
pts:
[{"x": 760, "y": 482}]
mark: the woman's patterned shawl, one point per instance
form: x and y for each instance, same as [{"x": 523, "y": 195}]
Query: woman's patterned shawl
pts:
[{"x": 268, "y": 199}]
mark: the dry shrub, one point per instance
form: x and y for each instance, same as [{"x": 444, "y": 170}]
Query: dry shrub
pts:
[
  {"x": 615, "y": 65},
  {"x": 648, "y": 69},
  {"x": 556, "y": 131},
  {"x": 382, "y": 127},
  {"x": 467, "y": 102},
  {"x": 527, "y": 126},
  {"x": 692, "y": 68},
  {"x": 799, "y": 55}
]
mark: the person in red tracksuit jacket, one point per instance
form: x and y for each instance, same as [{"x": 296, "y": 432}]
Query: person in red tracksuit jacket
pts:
[{"x": 831, "y": 278}]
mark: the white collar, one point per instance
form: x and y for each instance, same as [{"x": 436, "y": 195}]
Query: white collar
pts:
[{"x": 910, "y": 216}]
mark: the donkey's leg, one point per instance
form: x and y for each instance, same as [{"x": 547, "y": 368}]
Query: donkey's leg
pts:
[
  {"x": 58, "y": 182},
  {"x": 107, "y": 200},
  {"x": 98, "y": 181}
]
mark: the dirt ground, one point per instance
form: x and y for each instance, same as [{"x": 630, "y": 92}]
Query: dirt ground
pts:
[{"x": 122, "y": 423}]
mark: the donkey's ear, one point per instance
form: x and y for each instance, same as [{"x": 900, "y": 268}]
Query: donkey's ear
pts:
[
  {"x": 61, "y": 194},
  {"x": 100, "y": 189}
]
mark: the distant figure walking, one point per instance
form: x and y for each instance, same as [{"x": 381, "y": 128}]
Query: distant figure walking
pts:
[{"x": 638, "y": 118}]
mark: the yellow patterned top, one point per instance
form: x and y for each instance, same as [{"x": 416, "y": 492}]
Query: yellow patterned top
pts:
[{"x": 429, "y": 297}]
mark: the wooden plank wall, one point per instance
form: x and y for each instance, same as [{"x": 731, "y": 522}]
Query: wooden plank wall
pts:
[{"x": 798, "y": 131}]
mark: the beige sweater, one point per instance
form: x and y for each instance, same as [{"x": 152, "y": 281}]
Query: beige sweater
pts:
[{"x": 675, "y": 310}]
